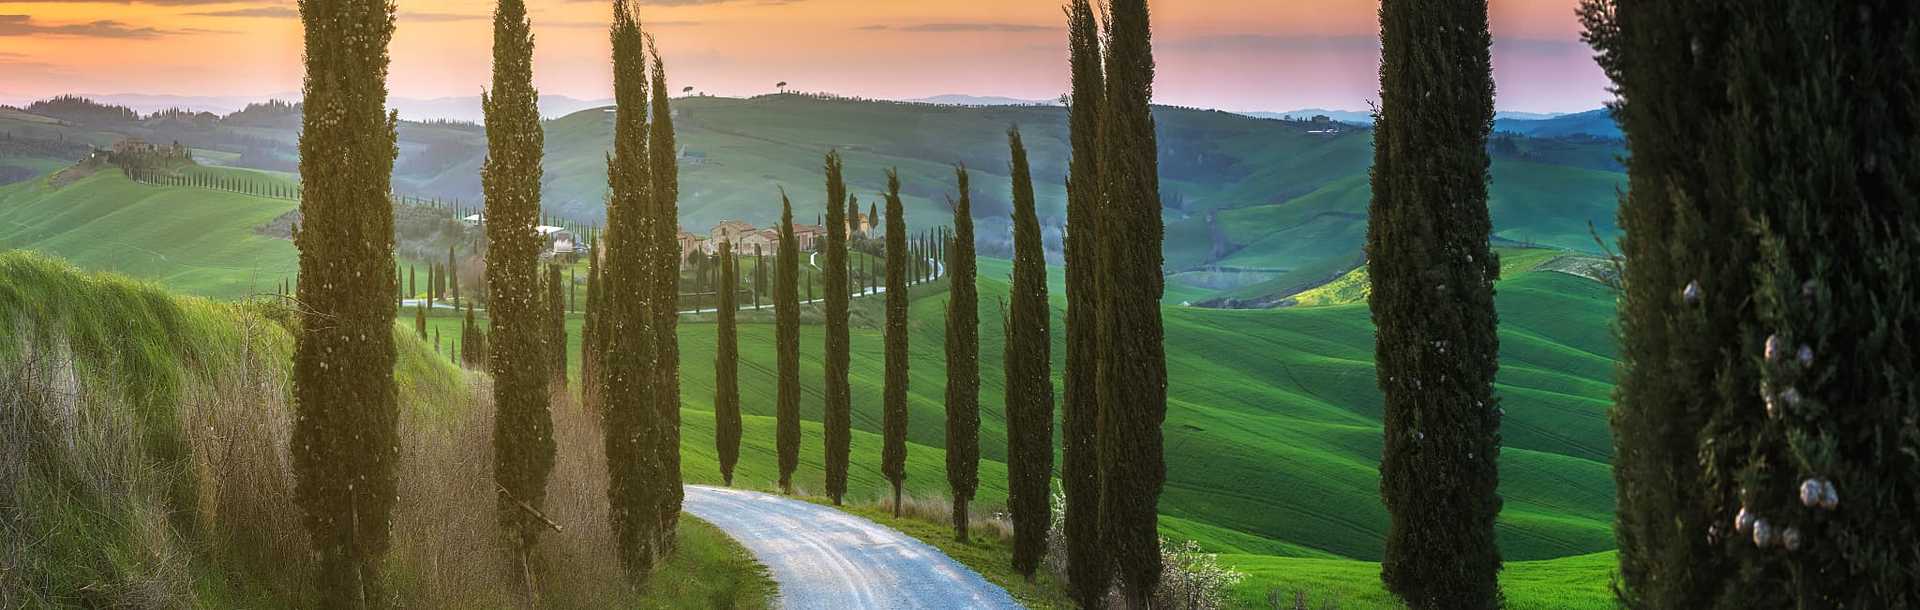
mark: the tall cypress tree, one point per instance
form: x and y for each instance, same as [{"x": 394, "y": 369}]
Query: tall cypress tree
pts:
[
  {"x": 1029, "y": 370},
  {"x": 963, "y": 363},
  {"x": 345, "y": 438},
  {"x": 1768, "y": 350},
  {"x": 837, "y": 414},
  {"x": 1432, "y": 300},
  {"x": 665, "y": 261},
  {"x": 453, "y": 277},
  {"x": 625, "y": 327},
  {"x": 726, "y": 367},
  {"x": 590, "y": 334},
  {"x": 893, "y": 448},
  {"x": 759, "y": 275},
  {"x": 1088, "y": 572},
  {"x": 1133, "y": 384},
  {"x": 523, "y": 427},
  {"x": 786, "y": 308},
  {"x": 556, "y": 329}
]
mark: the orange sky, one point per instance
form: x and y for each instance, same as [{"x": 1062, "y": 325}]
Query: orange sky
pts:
[{"x": 1232, "y": 54}]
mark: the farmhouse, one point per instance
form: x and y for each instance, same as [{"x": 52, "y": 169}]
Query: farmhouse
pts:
[
  {"x": 559, "y": 242},
  {"x": 808, "y": 236}
]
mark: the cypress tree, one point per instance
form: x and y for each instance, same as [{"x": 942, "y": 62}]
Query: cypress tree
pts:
[
  {"x": 759, "y": 275},
  {"x": 1088, "y": 571},
  {"x": 837, "y": 415},
  {"x": 523, "y": 445},
  {"x": 786, "y": 306},
  {"x": 893, "y": 450},
  {"x": 453, "y": 277},
  {"x": 556, "y": 331},
  {"x": 420, "y": 322},
  {"x": 590, "y": 341},
  {"x": 413, "y": 274},
  {"x": 665, "y": 260},
  {"x": 1029, "y": 383},
  {"x": 726, "y": 367},
  {"x": 628, "y": 354},
  {"x": 1768, "y": 348},
  {"x": 1133, "y": 383},
  {"x": 345, "y": 436},
  {"x": 1432, "y": 300},
  {"x": 963, "y": 363}
]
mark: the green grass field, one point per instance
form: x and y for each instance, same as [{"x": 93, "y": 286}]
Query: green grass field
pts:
[
  {"x": 1273, "y": 427},
  {"x": 197, "y": 241},
  {"x": 1273, "y": 430}
]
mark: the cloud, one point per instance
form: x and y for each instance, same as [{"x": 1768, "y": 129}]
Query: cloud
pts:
[
  {"x": 24, "y": 25},
  {"x": 440, "y": 17},
  {"x": 271, "y": 12},
  {"x": 946, "y": 28},
  {"x": 1268, "y": 43},
  {"x": 152, "y": 2}
]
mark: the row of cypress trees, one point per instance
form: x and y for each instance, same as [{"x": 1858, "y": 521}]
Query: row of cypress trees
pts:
[{"x": 1766, "y": 450}]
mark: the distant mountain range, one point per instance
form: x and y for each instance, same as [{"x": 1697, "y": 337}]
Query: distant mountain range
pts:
[
  {"x": 1597, "y": 123},
  {"x": 412, "y": 109},
  {"x": 981, "y": 100}
]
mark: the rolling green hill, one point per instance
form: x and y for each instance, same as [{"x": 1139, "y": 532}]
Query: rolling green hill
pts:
[
  {"x": 198, "y": 241},
  {"x": 1291, "y": 204}
]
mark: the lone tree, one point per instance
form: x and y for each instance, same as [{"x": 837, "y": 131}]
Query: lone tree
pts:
[
  {"x": 1029, "y": 370},
  {"x": 523, "y": 445},
  {"x": 786, "y": 307},
  {"x": 345, "y": 439},
  {"x": 1432, "y": 300},
  {"x": 1088, "y": 571},
  {"x": 837, "y": 414},
  {"x": 963, "y": 362},
  {"x": 664, "y": 263},
  {"x": 627, "y": 363},
  {"x": 1133, "y": 383},
  {"x": 1766, "y": 368},
  {"x": 893, "y": 450},
  {"x": 726, "y": 367}
]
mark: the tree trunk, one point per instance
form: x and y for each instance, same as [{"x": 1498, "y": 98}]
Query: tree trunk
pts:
[
  {"x": 896, "y": 500},
  {"x": 960, "y": 519}
]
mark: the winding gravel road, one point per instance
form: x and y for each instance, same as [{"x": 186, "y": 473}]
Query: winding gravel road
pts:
[{"x": 824, "y": 558}]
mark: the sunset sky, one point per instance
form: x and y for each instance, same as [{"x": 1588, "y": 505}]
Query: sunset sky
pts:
[{"x": 1231, "y": 54}]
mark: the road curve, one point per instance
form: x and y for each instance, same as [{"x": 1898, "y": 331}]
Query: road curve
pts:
[{"x": 824, "y": 558}]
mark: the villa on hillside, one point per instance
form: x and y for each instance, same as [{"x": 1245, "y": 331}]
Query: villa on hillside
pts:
[{"x": 558, "y": 242}]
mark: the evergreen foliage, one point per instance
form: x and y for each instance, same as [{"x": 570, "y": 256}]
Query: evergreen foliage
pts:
[
  {"x": 963, "y": 362},
  {"x": 837, "y": 414},
  {"x": 1766, "y": 450},
  {"x": 1432, "y": 300},
  {"x": 345, "y": 437},
  {"x": 893, "y": 451},
  {"x": 523, "y": 446},
  {"x": 626, "y": 363},
  {"x": 726, "y": 367},
  {"x": 1088, "y": 568},
  {"x": 591, "y": 342},
  {"x": 786, "y": 307},
  {"x": 556, "y": 330},
  {"x": 1029, "y": 370},
  {"x": 664, "y": 259},
  {"x": 1133, "y": 383}
]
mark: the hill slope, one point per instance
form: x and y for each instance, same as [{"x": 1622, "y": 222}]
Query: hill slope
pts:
[{"x": 736, "y": 152}]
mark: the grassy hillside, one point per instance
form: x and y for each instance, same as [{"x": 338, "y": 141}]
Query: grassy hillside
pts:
[
  {"x": 1273, "y": 432},
  {"x": 143, "y": 463},
  {"x": 192, "y": 240},
  {"x": 1292, "y": 203}
]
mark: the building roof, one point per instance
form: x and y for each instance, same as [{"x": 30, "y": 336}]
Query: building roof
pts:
[{"x": 546, "y": 230}]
